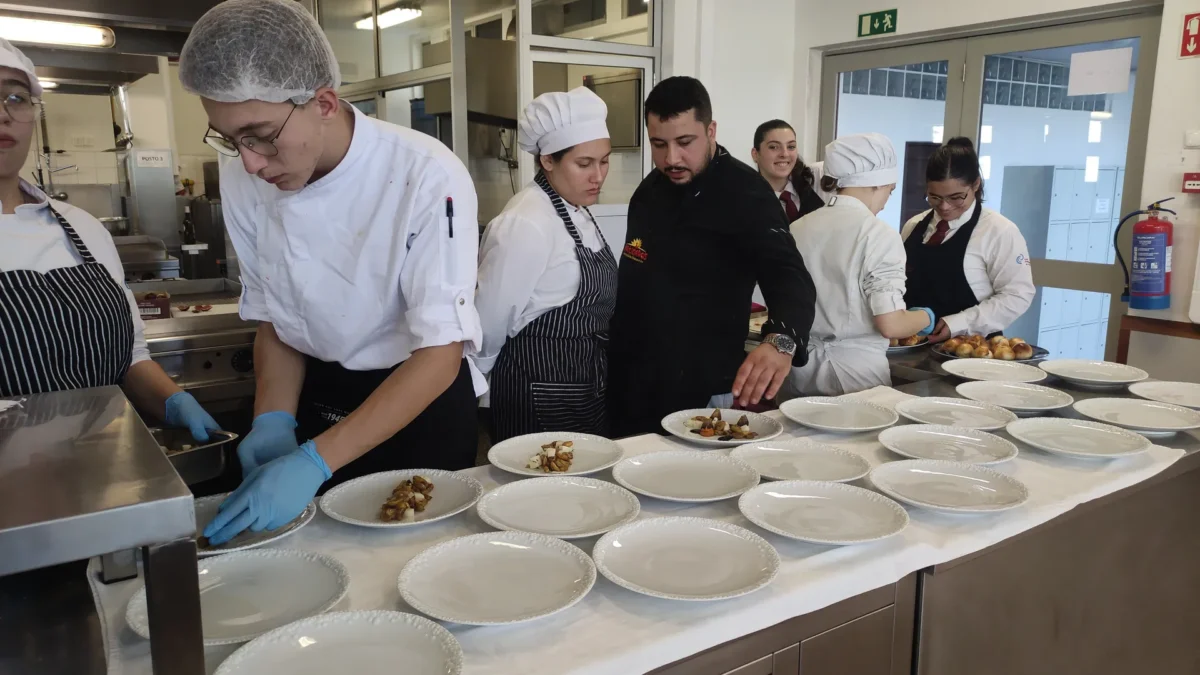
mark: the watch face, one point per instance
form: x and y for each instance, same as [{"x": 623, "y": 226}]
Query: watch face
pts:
[{"x": 785, "y": 344}]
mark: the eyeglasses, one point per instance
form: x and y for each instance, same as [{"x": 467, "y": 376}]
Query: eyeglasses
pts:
[
  {"x": 953, "y": 200},
  {"x": 20, "y": 106},
  {"x": 256, "y": 144}
]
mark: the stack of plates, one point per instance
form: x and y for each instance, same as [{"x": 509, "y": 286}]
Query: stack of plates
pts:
[
  {"x": 566, "y": 507},
  {"x": 802, "y": 459},
  {"x": 1095, "y": 374},
  {"x": 1023, "y": 399},
  {"x": 956, "y": 412},
  {"x": 838, "y": 414},
  {"x": 952, "y": 444},
  {"x": 1078, "y": 438},
  {"x": 949, "y": 487},
  {"x": 685, "y": 476},
  {"x": 823, "y": 513},
  {"x": 1147, "y": 417}
]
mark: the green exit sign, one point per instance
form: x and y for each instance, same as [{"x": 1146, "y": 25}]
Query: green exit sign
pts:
[{"x": 877, "y": 23}]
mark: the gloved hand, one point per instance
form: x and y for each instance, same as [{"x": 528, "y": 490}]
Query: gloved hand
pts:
[
  {"x": 184, "y": 411},
  {"x": 932, "y": 320},
  {"x": 272, "y": 435},
  {"x": 272, "y": 495}
]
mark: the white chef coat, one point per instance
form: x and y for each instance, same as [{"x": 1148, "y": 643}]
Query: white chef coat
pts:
[
  {"x": 527, "y": 267},
  {"x": 857, "y": 265},
  {"x": 32, "y": 239},
  {"x": 997, "y": 268},
  {"x": 359, "y": 267}
]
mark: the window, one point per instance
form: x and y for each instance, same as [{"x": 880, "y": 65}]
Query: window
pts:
[{"x": 349, "y": 26}]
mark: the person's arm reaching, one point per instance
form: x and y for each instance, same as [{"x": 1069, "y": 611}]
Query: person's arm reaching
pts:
[{"x": 882, "y": 282}]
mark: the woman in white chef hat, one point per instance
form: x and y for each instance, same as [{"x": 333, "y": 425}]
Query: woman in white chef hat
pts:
[
  {"x": 547, "y": 279},
  {"x": 857, "y": 264}
]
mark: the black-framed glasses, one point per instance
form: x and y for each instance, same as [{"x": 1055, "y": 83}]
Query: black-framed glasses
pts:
[
  {"x": 256, "y": 144},
  {"x": 953, "y": 200},
  {"x": 20, "y": 106}
]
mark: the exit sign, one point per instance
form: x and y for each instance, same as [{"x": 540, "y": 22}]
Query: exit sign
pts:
[{"x": 877, "y": 23}]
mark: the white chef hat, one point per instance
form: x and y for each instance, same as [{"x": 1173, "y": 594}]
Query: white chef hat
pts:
[
  {"x": 11, "y": 57},
  {"x": 861, "y": 160},
  {"x": 561, "y": 119}
]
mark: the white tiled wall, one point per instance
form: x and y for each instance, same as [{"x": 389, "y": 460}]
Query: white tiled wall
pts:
[{"x": 86, "y": 167}]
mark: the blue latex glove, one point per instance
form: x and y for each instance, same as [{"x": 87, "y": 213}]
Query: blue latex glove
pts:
[
  {"x": 932, "y": 320},
  {"x": 272, "y": 435},
  {"x": 184, "y": 411},
  {"x": 271, "y": 496}
]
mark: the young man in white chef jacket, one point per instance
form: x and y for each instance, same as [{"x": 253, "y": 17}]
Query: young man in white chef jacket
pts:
[{"x": 357, "y": 241}]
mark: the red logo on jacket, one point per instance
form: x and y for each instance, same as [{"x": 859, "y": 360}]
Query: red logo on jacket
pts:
[{"x": 634, "y": 251}]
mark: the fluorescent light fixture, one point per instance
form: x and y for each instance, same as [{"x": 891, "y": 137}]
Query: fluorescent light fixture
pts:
[
  {"x": 1045, "y": 132},
  {"x": 985, "y": 134},
  {"x": 392, "y": 17},
  {"x": 55, "y": 32},
  {"x": 938, "y": 132},
  {"x": 1091, "y": 170},
  {"x": 1101, "y": 115},
  {"x": 1094, "y": 131},
  {"x": 985, "y": 167},
  {"x": 47, "y": 84}
]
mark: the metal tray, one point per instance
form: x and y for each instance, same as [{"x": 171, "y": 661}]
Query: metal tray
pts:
[
  {"x": 1039, "y": 354},
  {"x": 198, "y": 463}
]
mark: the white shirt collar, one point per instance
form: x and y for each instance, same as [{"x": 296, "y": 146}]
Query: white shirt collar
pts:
[
  {"x": 789, "y": 188},
  {"x": 961, "y": 220},
  {"x": 42, "y": 200}
]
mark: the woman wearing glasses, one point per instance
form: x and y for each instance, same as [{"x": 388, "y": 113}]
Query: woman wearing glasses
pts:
[
  {"x": 357, "y": 241},
  {"x": 66, "y": 319},
  {"x": 967, "y": 263}
]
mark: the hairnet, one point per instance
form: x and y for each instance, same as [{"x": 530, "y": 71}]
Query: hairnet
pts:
[
  {"x": 861, "y": 160},
  {"x": 263, "y": 50}
]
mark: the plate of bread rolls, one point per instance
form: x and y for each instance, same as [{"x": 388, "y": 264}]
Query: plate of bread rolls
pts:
[
  {"x": 906, "y": 344},
  {"x": 996, "y": 347}
]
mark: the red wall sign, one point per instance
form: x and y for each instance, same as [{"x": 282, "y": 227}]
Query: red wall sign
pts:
[{"x": 1189, "y": 46}]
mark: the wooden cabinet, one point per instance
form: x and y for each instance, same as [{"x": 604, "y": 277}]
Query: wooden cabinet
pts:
[{"x": 862, "y": 647}]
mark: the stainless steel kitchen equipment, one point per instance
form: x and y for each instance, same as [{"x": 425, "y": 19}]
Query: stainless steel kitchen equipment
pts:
[
  {"x": 145, "y": 258},
  {"x": 208, "y": 260},
  {"x": 194, "y": 462},
  {"x": 83, "y": 477},
  {"x": 148, "y": 176}
]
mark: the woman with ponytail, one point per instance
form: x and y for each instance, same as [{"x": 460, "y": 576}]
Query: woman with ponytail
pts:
[{"x": 794, "y": 183}]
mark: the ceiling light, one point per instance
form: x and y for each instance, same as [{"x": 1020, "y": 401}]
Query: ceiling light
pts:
[
  {"x": 389, "y": 18},
  {"x": 1101, "y": 115},
  {"x": 55, "y": 32},
  {"x": 47, "y": 84}
]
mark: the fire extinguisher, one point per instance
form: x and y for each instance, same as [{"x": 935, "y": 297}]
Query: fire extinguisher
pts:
[{"x": 1148, "y": 276}]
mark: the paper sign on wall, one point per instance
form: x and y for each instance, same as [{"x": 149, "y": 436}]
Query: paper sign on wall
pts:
[
  {"x": 1105, "y": 71},
  {"x": 153, "y": 159}
]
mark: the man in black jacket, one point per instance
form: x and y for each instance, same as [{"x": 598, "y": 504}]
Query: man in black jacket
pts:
[{"x": 703, "y": 229}]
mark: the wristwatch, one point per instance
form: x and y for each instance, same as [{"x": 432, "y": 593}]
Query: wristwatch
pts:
[{"x": 783, "y": 343}]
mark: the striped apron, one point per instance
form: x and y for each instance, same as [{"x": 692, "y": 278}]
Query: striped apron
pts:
[
  {"x": 68, "y": 328},
  {"x": 553, "y": 375}
]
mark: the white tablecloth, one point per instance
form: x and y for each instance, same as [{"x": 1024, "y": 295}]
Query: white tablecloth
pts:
[{"x": 617, "y": 632}]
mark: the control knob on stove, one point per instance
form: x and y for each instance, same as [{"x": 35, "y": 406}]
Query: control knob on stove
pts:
[{"x": 243, "y": 361}]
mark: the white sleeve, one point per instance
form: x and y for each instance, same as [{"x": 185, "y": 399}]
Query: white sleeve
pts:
[
  {"x": 512, "y": 258},
  {"x": 1008, "y": 267},
  {"x": 883, "y": 275},
  {"x": 237, "y": 207},
  {"x": 440, "y": 270}
]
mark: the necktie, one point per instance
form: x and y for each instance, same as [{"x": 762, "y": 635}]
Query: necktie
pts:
[
  {"x": 943, "y": 228},
  {"x": 789, "y": 206}
]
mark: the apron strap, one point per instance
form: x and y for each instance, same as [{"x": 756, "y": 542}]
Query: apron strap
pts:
[
  {"x": 561, "y": 208},
  {"x": 73, "y": 235}
]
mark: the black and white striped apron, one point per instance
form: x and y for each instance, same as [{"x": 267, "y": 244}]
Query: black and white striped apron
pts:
[
  {"x": 68, "y": 328},
  {"x": 553, "y": 375}
]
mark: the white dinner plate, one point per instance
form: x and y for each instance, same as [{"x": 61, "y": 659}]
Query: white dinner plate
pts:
[
  {"x": 823, "y": 513},
  {"x": 369, "y": 642},
  {"x": 838, "y": 414},
  {"x": 955, "y": 412},
  {"x": 681, "y": 558},
  {"x": 1186, "y": 394},
  {"x": 1093, "y": 373},
  {"x": 1016, "y": 396},
  {"x": 900, "y": 349},
  {"x": 592, "y": 453},
  {"x": 951, "y": 444},
  {"x": 949, "y": 487},
  {"x": 802, "y": 459},
  {"x": 1078, "y": 438},
  {"x": 246, "y": 594},
  {"x": 206, "y": 510},
  {"x": 566, "y": 507},
  {"x": 357, "y": 502},
  {"x": 993, "y": 370},
  {"x": 1140, "y": 414},
  {"x": 766, "y": 427},
  {"x": 685, "y": 475},
  {"x": 497, "y": 578}
]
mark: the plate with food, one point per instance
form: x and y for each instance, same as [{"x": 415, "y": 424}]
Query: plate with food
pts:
[
  {"x": 997, "y": 347},
  {"x": 721, "y": 427},
  {"x": 555, "y": 453},
  {"x": 567, "y": 507},
  {"x": 949, "y": 487},
  {"x": 1019, "y": 397},
  {"x": 955, "y": 412},
  {"x": 1080, "y": 439},
  {"x": 206, "y": 510},
  {"x": 991, "y": 370},
  {"x": 823, "y": 513},
  {"x": 838, "y": 414},
  {"x": 246, "y": 594},
  {"x": 685, "y": 476},
  {"x": 907, "y": 344},
  {"x": 496, "y": 578},
  {"x": 401, "y": 498},
  {"x": 952, "y": 444},
  {"x": 1095, "y": 374},
  {"x": 1140, "y": 415},
  {"x": 365, "y": 642},
  {"x": 1186, "y": 394},
  {"x": 802, "y": 459},
  {"x": 684, "y": 558}
]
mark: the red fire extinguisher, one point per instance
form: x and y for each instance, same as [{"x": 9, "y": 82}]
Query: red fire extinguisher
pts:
[{"x": 1148, "y": 275}]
